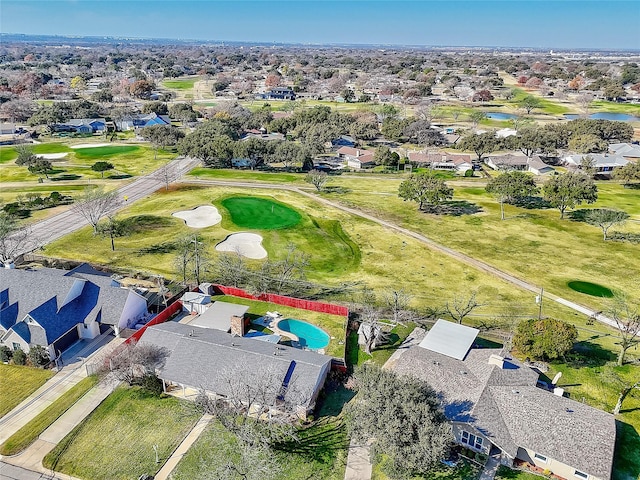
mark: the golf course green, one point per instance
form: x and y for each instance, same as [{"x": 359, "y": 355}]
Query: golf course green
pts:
[
  {"x": 589, "y": 288},
  {"x": 105, "y": 151},
  {"x": 260, "y": 213}
]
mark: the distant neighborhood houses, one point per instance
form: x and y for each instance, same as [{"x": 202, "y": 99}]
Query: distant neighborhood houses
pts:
[
  {"x": 279, "y": 93},
  {"x": 356, "y": 158},
  {"x": 141, "y": 121},
  {"x": 603, "y": 164},
  {"x": 497, "y": 406},
  {"x": 81, "y": 125},
  {"x": 534, "y": 164},
  {"x": 54, "y": 308},
  {"x": 442, "y": 161}
]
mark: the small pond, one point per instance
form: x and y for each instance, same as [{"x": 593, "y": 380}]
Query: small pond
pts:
[
  {"x": 620, "y": 117},
  {"x": 501, "y": 116}
]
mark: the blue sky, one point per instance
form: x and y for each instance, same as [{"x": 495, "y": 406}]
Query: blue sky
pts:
[{"x": 546, "y": 24}]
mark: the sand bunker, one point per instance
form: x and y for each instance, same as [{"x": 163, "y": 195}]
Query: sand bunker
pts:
[
  {"x": 91, "y": 145},
  {"x": 246, "y": 244},
  {"x": 52, "y": 156},
  {"x": 200, "y": 217}
]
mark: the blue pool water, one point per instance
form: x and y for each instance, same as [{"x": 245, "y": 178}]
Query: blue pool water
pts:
[{"x": 310, "y": 336}]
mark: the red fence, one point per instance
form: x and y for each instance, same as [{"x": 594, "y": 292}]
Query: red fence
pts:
[
  {"x": 162, "y": 317},
  {"x": 287, "y": 301}
]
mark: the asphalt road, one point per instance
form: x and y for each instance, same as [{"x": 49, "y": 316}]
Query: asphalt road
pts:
[{"x": 59, "y": 225}]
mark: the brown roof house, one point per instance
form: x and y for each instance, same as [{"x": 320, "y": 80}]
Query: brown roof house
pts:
[
  {"x": 356, "y": 158},
  {"x": 496, "y": 408}
]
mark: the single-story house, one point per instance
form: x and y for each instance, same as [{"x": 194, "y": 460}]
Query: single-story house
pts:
[
  {"x": 343, "y": 141},
  {"x": 54, "y": 308},
  {"x": 495, "y": 407},
  {"x": 221, "y": 364},
  {"x": 81, "y": 125},
  {"x": 506, "y": 132},
  {"x": 141, "y": 121},
  {"x": 442, "y": 161},
  {"x": 356, "y": 157},
  {"x": 533, "y": 164},
  {"x": 7, "y": 128},
  {"x": 630, "y": 151},
  {"x": 328, "y": 163},
  {"x": 604, "y": 164},
  {"x": 279, "y": 93},
  {"x": 262, "y": 135}
]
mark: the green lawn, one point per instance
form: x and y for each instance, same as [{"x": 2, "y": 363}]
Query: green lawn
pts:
[
  {"x": 260, "y": 213},
  {"x": 533, "y": 244},
  {"x": 30, "y": 432},
  {"x": 179, "y": 84},
  {"x": 357, "y": 356},
  {"x": 615, "y": 107},
  {"x": 334, "y": 325},
  {"x": 320, "y": 455},
  {"x": 505, "y": 473},
  {"x": 107, "y": 151},
  {"x": 17, "y": 383},
  {"x": 464, "y": 471},
  {"x": 116, "y": 440},
  {"x": 547, "y": 106},
  {"x": 225, "y": 174}
]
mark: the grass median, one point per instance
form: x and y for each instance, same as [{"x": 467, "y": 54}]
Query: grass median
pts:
[{"x": 32, "y": 430}]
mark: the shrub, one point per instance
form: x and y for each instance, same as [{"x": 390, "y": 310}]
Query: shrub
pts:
[
  {"x": 5, "y": 353},
  {"x": 151, "y": 384},
  {"x": 545, "y": 339},
  {"x": 38, "y": 356},
  {"x": 19, "y": 357}
]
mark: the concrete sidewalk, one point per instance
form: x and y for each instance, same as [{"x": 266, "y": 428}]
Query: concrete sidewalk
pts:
[
  {"x": 31, "y": 458},
  {"x": 358, "y": 463},
  {"x": 180, "y": 452},
  {"x": 61, "y": 382}
]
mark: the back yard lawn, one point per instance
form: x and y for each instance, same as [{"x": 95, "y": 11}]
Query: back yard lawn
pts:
[
  {"x": 17, "y": 383},
  {"x": 116, "y": 441}
]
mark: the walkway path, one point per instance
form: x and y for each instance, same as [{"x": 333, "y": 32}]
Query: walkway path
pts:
[
  {"x": 31, "y": 458},
  {"x": 425, "y": 240},
  {"x": 67, "y": 377},
  {"x": 358, "y": 463},
  {"x": 182, "y": 449},
  {"x": 490, "y": 468}
]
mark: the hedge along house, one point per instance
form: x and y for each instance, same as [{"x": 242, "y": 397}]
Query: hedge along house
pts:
[
  {"x": 264, "y": 377},
  {"x": 55, "y": 308},
  {"x": 496, "y": 408}
]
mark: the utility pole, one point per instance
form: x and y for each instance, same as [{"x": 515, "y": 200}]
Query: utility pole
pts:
[
  {"x": 197, "y": 259},
  {"x": 539, "y": 302}
]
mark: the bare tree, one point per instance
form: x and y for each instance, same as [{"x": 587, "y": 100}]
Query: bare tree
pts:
[
  {"x": 317, "y": 178},
  {"x": 133, "y": 362},
  {"x": 286, "y": 276},
  {"x": 626, "y": 314},
  {"x": 14, "y": 239},
  {"x": 624, "y": 392},
  {"x": 461, "y": 306},
  {"x": 398, "y": 301},
  {"x": 370, "y": 331},
  {"x": 191, "y": 259},
  {"x": 231, "y": 269},
  {"x": 167, "y": 174},
  {"x": 95, "y": 203}
]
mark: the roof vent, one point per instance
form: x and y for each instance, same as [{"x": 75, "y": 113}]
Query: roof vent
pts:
[
  {"x": 463, "y": 372},
  {"x": 496, "y": 360},
  {"x": 558, "y": 391},
  {"x": 515, "y": 391},
  {"x": 192, "y": 333}
]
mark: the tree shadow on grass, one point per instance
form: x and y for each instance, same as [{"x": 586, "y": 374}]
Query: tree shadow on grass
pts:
[
  {"x": 120, "y": 176},
  {"x": 531, "y": 203},
  {"x": 588, "y": 354},
  {"x": 336, "y": 189},
  {"x": 66, "y": 176},
  {"x": 626, "y": 462},
  {"x": 455, "y": 208},
  {"x": 580, "y": 215},
  {"x": 320, "y": 441}
]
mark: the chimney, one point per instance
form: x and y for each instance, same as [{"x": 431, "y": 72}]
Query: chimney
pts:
[
  {"x": 237, "y": 326},
  {"x": 496, "y": 360}
]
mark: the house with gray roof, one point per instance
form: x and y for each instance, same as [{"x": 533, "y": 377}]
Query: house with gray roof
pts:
[
  {"x": 510, "y": 162},
  {"x": 630, "y": 151},
  {"x": 222, "y": 364},
  {"x": 54, "y": 308},
  {"x": 603, "y": 164},
  {"x": 496, "y": 408}
]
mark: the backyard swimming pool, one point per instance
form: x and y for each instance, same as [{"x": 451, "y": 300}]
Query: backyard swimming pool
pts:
[{"x": 308, "y": 335}]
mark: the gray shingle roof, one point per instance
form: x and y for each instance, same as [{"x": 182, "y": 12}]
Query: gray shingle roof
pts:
[
  {"x": 505, "y": 405},
  {"x": 211, "y": 359}
]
